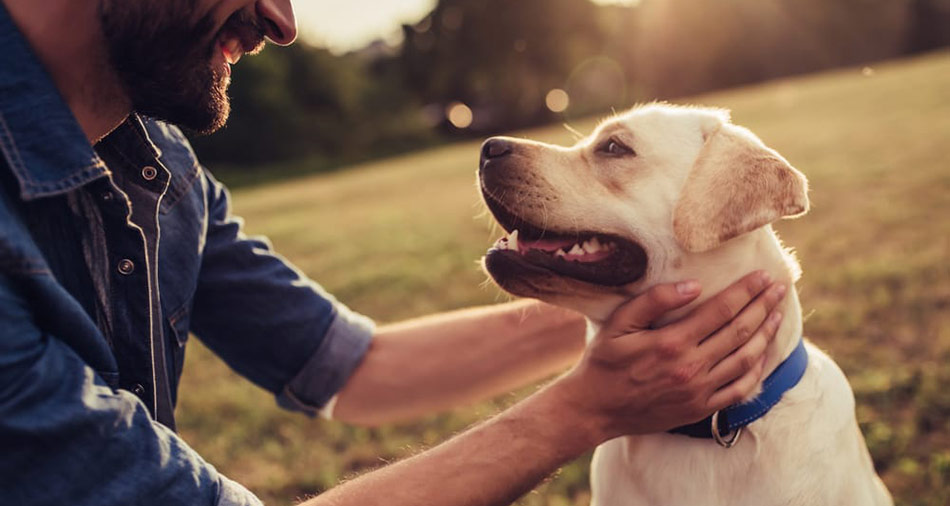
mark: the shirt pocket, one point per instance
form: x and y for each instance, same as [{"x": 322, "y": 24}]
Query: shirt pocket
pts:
[{"x": 179, "y": 323}]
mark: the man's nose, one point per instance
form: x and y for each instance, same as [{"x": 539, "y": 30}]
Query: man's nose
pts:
[{"x": 280, "y": 25}]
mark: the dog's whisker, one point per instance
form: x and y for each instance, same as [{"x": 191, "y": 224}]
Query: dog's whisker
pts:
[{"x": 575, "y": 132}]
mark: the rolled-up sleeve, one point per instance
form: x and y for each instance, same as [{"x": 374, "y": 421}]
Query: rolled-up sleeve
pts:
[
  {"x": 68, "y": 438},
  {"x": 268, "y": 320}
]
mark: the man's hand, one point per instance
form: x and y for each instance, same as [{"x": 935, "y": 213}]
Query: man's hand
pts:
[
  {"x": 631, "y": 380},
  {"x": 635, "y": 380}
]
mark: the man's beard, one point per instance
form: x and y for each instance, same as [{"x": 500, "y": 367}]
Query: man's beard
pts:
[{"x": 164, "y": 59}]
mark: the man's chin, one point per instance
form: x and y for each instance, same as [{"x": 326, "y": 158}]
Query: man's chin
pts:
[
  {"x": 195, "y": 123},
  {"x": 199, "y": 117},
  {"x": 212, "y": 124}
]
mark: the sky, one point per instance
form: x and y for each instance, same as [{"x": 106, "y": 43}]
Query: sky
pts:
[{"x": 343, "y": 25}]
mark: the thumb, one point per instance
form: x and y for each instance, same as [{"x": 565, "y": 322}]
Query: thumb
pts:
[{"x": 640, "y": 312}]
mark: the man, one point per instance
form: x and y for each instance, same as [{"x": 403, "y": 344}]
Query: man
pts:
[{"x": 115, "y": 243}]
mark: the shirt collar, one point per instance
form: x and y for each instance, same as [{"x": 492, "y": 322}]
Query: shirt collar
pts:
[{"x": 39, "y": 136}]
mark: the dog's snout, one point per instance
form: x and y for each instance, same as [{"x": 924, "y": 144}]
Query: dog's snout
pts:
[{"x": 495, "y": 148}]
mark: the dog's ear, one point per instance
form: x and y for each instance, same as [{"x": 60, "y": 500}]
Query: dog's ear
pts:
[{"x": 736, "y": 185}]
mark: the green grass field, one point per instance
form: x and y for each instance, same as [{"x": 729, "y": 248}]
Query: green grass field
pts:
[{"x": 386, "y": 236}]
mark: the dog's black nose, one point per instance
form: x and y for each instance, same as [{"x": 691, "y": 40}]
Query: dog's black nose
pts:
[{"x": 495, "y": 148}]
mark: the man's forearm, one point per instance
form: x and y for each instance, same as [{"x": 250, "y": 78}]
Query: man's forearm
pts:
[
  {"x": 491, "y": 464},
  {"x": 430, "y": 364}
]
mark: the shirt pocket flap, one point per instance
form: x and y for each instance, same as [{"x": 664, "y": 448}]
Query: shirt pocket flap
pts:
[{"x": 180, "y": 322}]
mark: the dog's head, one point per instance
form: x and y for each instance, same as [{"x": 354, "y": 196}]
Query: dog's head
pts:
[{"x": 593, "y": 224}]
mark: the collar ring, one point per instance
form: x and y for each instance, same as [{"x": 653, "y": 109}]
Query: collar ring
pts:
[{"x": 728, "y": 440}]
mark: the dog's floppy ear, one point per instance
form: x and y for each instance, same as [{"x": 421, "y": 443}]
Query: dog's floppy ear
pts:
[{"x": 736, "y": 185}]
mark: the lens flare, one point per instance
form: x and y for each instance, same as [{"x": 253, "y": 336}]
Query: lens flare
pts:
[
  {"x": 459, "y": 115},
  {"x": 557, "y": 100}
]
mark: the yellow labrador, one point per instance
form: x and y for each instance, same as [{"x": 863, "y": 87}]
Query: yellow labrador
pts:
[{"x": 661, "y": 194}]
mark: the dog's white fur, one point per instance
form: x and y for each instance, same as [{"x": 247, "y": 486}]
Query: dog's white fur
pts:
[{"x": 699, "y": 196}]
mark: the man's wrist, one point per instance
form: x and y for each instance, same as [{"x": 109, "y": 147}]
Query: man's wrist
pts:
[{"x": 584, "y": 428}]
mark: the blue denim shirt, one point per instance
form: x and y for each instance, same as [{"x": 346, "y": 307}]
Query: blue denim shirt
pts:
[{"x": 109, "y": 256}]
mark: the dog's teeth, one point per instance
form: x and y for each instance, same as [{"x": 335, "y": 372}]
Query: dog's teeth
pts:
[
  {"x": 576, "y": 250},
  {"x": 560, "y": 253},
  {"x": 513, "y": 240},
  {"x": 591, "y": 246}
]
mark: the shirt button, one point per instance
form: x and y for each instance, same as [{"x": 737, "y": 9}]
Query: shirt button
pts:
[
  {"x": 138, "y": 390},
  {"x": 107, "y": 197},
  {"x": 149, "y": 173},
  {"x": 126, "y": 267}
]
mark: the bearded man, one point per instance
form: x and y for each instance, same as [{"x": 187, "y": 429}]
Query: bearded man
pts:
[{"x": 115, "y": 244}]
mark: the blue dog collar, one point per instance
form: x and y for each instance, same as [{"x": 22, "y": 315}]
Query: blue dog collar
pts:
[{"x": 728, "y": 423}]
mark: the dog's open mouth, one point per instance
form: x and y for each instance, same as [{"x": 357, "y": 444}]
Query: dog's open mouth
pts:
[{"x": 592, "y": 257}]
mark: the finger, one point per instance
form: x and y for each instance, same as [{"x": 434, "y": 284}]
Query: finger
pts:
[
  {"x": 712, "y": 314},
  {"x": 738, "y": 390},
  {"x": 741, "y": 329},
  {"x": 642, "y": 311},
  {"x": 745, "y": 358}
]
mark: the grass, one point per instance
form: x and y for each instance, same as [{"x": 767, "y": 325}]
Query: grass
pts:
[{"x": 385, "y": 236}]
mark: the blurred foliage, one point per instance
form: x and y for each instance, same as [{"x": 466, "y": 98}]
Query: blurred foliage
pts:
[
  {"x": 502, "y": 57},
  {"x": 303, "y": 101},
  {"x": 399, "y": 237}
]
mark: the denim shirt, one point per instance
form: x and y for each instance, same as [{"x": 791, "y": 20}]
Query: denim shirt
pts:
[{"x": 110, "y": 255}]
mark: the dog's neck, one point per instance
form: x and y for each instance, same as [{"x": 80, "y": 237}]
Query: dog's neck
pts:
[{"x": 717, "y": 269}]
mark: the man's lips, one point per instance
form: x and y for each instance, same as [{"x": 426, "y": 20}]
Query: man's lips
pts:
[{"x": 242, "y": 33}]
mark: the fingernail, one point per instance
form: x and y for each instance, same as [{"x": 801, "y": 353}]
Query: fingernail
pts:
[
  {"x": 765, "y": 277},
  {"x": 687, "y": 287},
  {"x": 780, "y": 290}
]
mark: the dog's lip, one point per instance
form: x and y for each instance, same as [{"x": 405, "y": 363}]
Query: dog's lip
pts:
[
  {"x": 508, "y": 220},
  {"x": 511, "y": 221}
]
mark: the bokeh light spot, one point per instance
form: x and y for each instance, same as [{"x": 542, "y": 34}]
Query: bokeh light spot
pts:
[
  {"x": 557, "y": 100},
  {"x": 459, "y": 115}
]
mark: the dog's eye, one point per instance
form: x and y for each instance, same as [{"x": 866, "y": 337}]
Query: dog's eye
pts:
[{"x": 613, "y": 147}]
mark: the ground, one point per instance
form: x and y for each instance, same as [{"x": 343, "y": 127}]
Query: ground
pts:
[{"x": 386, "y": 236}]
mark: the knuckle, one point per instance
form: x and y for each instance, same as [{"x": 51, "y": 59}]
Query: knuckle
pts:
[
  {"x": 636, "y": 376},
  {"x": 756, "y": 346},
  {"x": 724, "y": 309},
  {"x": 743, "y": 332},
  {"x": 669, "y": 349},
  {"x": 684, "y": 374},
  {"x": 656, "y": 299},
  {"x": 747, "y": 361},
  {"x": 752, "y": 287}
]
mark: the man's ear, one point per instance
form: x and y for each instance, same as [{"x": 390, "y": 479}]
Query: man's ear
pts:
[{"x": 736, "y": 185}]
